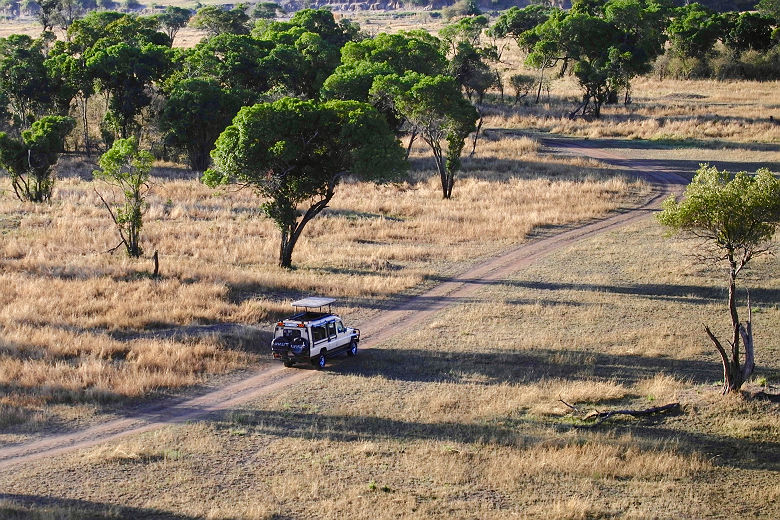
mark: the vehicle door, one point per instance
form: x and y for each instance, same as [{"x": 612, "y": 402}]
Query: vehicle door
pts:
[
  {"x": 333, "y": 337},
  {"x": 319, "y": 339},
  {"x": 344, "y": 336}
]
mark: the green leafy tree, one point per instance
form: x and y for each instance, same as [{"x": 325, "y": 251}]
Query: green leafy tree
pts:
[
  {"x": 70, "y": 79},
  {"x": 693, "y": 31},
  {"x": 196, "y": 111},
  {"x": 46, "y": 13},
  {"x": 770, "y": 8},
  {"x": 415, "y": 51},
  {"x": 736, "y": 216},
  {"x": 605, "y": 44},
  {"x": 514, "y": 22},
  {"x": 640, "y": 39},
  {"x": 267, "y": 10},
  {"x": 216, "y": 20},
  {"x": 124, "y": 56},
  {"x": 173, "y": 19},
  {"x": 23, "y": 77},
  {"x": 306, "y": 49},
  {"x": 436, "y": 110},
  {"x": 126, "y": 72},
  {"x": 29, "y": 160},
  {"x": 317, "y": 21},
  {"x": 295, "y": 152},
  {"x": 126, "y": 169},
  {"x": 364, "y": 61},
  {"x": 466, "y": 30},
  {"x": 238, "y": 63},
  {"x": 68, "y": 11},
  {"x": 523, "y": 25},
  {"x": 747, "y": 31},
  {"x": 522, "y": 85}
]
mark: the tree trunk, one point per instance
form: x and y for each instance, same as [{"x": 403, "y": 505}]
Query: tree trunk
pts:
[
  {"x": 85, "y": 120},
  {"x": 476, "y": 136},
  {"x": 411, "y": 142},
  {"x": 734, "y": 375},
  {"x": 292, "y": 232},
  {"x": 286, "y": 249},
  {"x": 446, "y": 182},
  {"x": 539, "y": 90}
]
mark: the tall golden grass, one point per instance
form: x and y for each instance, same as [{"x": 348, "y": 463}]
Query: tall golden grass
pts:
[
  {"x": 78, "y": 323},
  {"x": 460, "y": 418}
]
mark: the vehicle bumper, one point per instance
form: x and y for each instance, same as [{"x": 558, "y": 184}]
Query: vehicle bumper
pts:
[{"x": 291, "y": 357}]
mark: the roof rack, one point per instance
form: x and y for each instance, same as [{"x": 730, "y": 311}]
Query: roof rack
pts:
[{"x": 313, "y": 303}]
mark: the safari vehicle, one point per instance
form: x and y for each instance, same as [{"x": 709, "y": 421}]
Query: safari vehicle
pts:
[{"x": 312, "y": 334}]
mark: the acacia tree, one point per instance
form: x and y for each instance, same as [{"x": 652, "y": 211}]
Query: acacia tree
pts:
[
  {"x": 29, "y": 160},
  {"x": 295, "y": 152},
  {"x": 195, "y": 113},
  {"x": 521, "y": 25},
  {"x": 23, "y": 77},
  {"x": 435, "y": 109},
  {"x": 173, "y": 19},
  {"x": 217, "y": 20},
  {"x": 127, "y": 168},
  {"x": 735, "y": 216}
]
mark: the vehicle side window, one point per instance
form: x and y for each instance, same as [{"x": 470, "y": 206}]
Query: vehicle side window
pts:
[
  {"x": 318, "y": 334},
  {"x": 340, "y": 328},
  {"x": 332, "y": 329}
]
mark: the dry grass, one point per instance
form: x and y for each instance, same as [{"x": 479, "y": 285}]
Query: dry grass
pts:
[
  {"x": 458, "y": 419},
  {"x": 461, "y": 419},
  {"x": 80, "y": 325},
  {"x": 667, "y": 110}
]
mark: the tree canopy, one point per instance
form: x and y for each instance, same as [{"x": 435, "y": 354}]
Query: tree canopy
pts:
[
  {"x": 29, "y": 159},
  {"x": 295, "y": 152},
  {"x": 736, "y": 215},
  {"x": 435, "y": 109}
]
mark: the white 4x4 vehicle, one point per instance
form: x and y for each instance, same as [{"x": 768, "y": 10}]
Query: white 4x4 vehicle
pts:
[{"x": 312, "y": 334}]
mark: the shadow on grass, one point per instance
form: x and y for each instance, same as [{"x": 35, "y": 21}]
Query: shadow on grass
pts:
[
  {"x": 416, "y": 364},
  {"x": 515, "y": 430},
  {"x": 692, "y": 294},
  {"x": 38, "y": 507}
]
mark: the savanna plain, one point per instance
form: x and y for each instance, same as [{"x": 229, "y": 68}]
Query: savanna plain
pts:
[{"x": 462, "y": 416}]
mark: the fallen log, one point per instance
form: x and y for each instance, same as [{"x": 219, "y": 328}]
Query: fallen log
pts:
[{"x": 603, "y": 416}]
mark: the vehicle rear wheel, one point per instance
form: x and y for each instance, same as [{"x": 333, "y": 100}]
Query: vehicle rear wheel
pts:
[
  {"x": 352, "y": 351},
  {"x": 288, "y": 363},
  {"x": 319, "y": 361}
]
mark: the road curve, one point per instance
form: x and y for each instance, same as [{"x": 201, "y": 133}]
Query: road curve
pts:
[{"x": 414, "y": 310}]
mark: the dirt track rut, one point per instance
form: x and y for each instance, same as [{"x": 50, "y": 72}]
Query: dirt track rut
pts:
[{"x": 412, "y": 311}]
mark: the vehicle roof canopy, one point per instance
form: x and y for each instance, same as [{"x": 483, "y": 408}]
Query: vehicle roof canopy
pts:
[{"x": 313, "y": 302}]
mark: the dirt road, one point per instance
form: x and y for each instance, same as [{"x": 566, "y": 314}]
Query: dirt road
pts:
[{"x": 405, "y": 314}]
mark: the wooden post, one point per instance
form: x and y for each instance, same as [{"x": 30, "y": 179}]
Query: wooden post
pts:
[{"x": 156, "y": 258}]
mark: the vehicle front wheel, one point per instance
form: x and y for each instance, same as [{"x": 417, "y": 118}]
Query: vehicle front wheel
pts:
[
  {"x": 288, "y": 363},
  {"x": 352, "y": 351},
  {"x": 319, "y": 361}
]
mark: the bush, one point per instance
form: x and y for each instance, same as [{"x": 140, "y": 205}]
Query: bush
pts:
[
  {"x": 461, "y": 8},
  {"x": 751, "y": 65}
]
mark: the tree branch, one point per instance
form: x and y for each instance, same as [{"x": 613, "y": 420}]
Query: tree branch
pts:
[
  {"x": 116, "y": 222},
  {"x": 724, "y": 356}
]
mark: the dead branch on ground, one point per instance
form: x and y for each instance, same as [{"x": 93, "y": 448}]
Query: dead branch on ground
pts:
[{"x": 599, "y": 417}]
